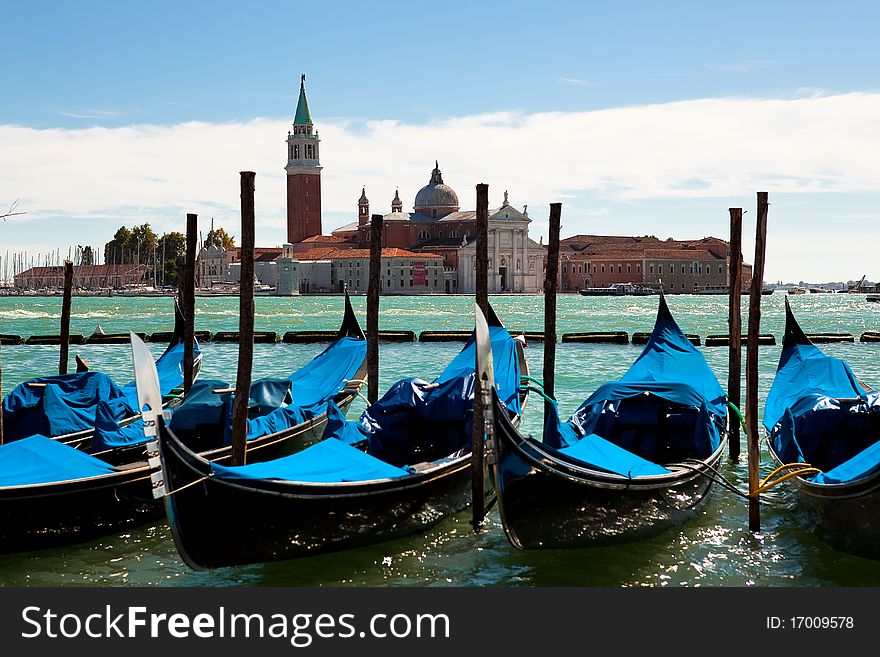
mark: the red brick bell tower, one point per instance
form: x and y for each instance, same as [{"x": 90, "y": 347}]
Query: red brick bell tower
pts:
[{"x": 303, "y": 174}]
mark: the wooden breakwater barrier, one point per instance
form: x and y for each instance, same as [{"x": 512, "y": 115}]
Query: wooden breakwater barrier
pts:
[
  {"x": 165, "y": 336},
  {"x": 464, "y": 336},
  {"x": 821, "y": 338},
  {"x": 597, "y": 337},
  {"x": 260, "y": 337},
  {"x": 444, "y": 336},
  {"x": 642, "y": 338},
  {"x": 73, "y": 338},
  {"x": 6, "y": 338},
  {"x": 303, "y": 337},
  {"x": 530, "y": 336},
  {"x": 870, "y": 336},
  {"x": 113, "y": 338},
  {"x": 765, "y": 339}
]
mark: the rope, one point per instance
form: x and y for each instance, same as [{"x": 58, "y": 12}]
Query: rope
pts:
[
  {"x": 797, "y": 469},
  {"x": 742, "y": 420},
  {"x": 539, "y": 392},
  {"x": 525, "y": 377},
  {"x": 192, "y": 483}
]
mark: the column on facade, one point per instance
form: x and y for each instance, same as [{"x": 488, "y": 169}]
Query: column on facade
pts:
[
  {"x": 497, "y": 262},
  {"x": 514, "y": 268}
]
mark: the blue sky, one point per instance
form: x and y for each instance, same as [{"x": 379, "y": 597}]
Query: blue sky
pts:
[{"x": 640, "y": 117}]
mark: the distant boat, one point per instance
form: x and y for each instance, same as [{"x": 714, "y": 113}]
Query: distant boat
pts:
[
  {"x": 873, "y": 298},
  {"x": 796, "y": 290},
  {"x": 617, "y": 290},
  {"x": 819, "y": 290}
]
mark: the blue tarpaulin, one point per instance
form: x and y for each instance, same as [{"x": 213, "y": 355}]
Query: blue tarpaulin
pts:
[
  {"x": 417, "y": 421},
  {"x": 414, "y": 421},
  {"x": 39, "y": 460},
  {"x": 328, "y": 461},
  {"x": 68, "y": 403},
  {"x": 275, "y": 403},
  {"x": 667, "y": 407}
]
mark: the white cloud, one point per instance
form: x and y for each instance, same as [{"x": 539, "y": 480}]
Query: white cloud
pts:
[{"x": 632, "y": 157}]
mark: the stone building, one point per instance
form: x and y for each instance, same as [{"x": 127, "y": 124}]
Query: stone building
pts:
[
  {"x": 403, "y": 272},
  {"x": 516, "y": 263},
  {"x": 676, "y": 265}
]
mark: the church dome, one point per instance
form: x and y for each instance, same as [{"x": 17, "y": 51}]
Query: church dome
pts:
[{"x": 435, "y": 195}]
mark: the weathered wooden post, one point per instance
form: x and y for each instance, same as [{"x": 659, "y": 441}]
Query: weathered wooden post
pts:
[
  {"x": 188, "y": 301},
  {"x": 550, "y": 285},
  {"x": 65, "y": 317},
  {"x": 373, "y": 308},
  {"x": 754, "y": 450},
  {"x": 245, "y": 323},
  {"x": 478, "y": 447},
  {"x": 734, "y": 323}
]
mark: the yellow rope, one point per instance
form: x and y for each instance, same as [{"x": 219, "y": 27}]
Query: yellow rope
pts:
[{"x": 796, "y": 470}]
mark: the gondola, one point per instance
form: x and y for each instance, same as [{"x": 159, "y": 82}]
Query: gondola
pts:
[
  {"x": 820, "y": 418},
  {"x": 52, "y": 494},
  {"x": 404, "y": 466},
  {"x": 633, "y": 460},
  {"x": 87, "y": 409}
]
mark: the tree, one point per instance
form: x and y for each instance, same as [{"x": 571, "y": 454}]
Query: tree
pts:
[
  {"x": 220, "y": 237},
  {"x": 87, "y": 257},
  {"x": 142, "y": 244},
  {"x": 116, "y": 250},
  {"x": 171, "y": 249}
]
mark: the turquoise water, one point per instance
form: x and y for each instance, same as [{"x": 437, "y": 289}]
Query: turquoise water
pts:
[{"x": 715, "y": 549}]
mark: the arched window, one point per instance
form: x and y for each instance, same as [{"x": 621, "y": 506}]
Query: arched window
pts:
[
  {"x": 454, "y": 233},
  {"x": 424, "y": 235}
]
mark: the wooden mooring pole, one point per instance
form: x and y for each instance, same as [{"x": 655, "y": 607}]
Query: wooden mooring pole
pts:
[
  {"x": 754, "y": 447},
  {"x": 478, "y": 448},
  {"x": 245, "y": 322},
  {"x": 551, "y": 280},
  {"x": 373, "y": 285},
  {"x": 65, "y": 317},
  {"x": 188, "y": 302},
  {"x": 734, "y": 324}
]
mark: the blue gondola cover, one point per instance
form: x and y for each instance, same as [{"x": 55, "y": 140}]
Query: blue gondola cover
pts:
[
  {"x": 329, "y": 461},
  {"x": 275, "y": 403},
  {"x": 688, "y": 424},
  {"x": 39, "y": 460}
]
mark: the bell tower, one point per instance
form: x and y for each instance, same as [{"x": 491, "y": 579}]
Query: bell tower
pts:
[{"x": 303, "y": 174}]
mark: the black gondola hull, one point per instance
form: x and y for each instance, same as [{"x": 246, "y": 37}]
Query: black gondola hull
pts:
[
  {"x": 56, "y": 515},
  {"x": 546, "y": 502},
  {"x": 59, "y": 514},
  {"x": 844, "y": 516},
  {"x": 219, "y": 523}
]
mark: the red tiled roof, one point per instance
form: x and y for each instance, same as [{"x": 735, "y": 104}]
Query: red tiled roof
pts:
[
  {"x": 341, "y": 254},
  {"x": 323, "y": 238}
]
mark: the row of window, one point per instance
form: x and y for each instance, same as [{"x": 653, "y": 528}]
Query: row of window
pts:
[
  {"x": 356, "y": 283},
  {"x": 584, "y": 269},
  {"x": 426, "y": 235},
  {"x": 310, "y": 152}
]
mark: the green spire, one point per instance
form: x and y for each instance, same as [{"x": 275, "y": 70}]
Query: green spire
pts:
[{"x": 303, "y": 117}]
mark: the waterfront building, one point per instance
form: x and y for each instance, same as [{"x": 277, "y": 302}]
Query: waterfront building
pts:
[
  {"x": 685, "y": 266},
  {"x": 437, "y": 225},
  {"x": 90, "y": 277},
  {"x": 516, "y": 263},
  {"x": 402, "y": 271},
  {"x": 288, "y": 273}
]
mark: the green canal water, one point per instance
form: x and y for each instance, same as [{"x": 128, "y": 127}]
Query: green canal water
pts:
[{"x": 714, "y": 549}]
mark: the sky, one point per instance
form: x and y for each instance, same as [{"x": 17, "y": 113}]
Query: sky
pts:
[{"x": 641, "y": 118}]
